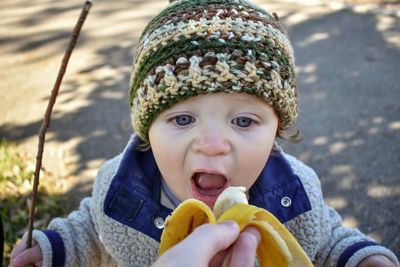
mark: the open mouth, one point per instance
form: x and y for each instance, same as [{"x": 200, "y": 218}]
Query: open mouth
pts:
[{"x": 207, "y": 186}]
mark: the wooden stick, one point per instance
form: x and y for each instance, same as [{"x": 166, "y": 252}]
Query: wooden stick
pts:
[{"x": 47, "y": 116}]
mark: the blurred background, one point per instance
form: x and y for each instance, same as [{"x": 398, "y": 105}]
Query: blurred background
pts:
[{"x": 348, "y": 62}]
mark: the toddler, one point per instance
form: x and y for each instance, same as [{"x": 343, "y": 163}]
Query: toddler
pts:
[{"x": 213, "y": 86}]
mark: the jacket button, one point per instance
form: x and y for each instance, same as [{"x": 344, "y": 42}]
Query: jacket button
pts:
[
  {"x": 286, "y": 202},
  {"x": 159, "y": 222}
]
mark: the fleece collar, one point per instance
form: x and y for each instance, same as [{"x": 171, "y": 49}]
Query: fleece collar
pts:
[{"x": 133, "y": 198}]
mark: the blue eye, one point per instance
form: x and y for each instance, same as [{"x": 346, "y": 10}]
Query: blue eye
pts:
[
  {"x": 242, "y": 121},
  {"x": 183, "y": 120}
]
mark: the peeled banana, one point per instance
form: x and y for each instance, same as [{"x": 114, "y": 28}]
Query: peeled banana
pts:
[{"x": 278, "y": 247}]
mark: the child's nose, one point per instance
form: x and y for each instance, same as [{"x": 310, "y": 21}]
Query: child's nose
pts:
[{"x": 211, "y": 143}]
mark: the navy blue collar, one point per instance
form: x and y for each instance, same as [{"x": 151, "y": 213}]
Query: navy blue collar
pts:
[{"x": 135, "y": 191}]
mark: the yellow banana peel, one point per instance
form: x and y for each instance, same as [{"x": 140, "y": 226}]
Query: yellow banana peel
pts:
[{"x": 278, "y": 247}]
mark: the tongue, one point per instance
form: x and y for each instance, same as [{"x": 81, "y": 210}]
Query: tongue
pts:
[{"x": 209, "y": 181}]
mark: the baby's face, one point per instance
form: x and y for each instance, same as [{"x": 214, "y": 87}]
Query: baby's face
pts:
[{"x": 209, "y": 142}]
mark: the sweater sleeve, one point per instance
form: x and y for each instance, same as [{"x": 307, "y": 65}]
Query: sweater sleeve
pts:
[
  {"x": 73, "y": 241},
  {"x": 347, "y": 247},
  {"x": 321, "y": 231}
]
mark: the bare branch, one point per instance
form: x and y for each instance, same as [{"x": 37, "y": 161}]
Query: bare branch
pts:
[{"x": 47, "y": 116}]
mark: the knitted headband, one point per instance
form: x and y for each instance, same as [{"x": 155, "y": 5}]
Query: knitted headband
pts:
[{"x": 207, "y": 46}]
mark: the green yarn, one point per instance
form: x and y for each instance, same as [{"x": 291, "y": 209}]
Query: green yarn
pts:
[
  {"x": 269, "y": 76},
  {"x": 188, "y": 6},
  {"x": 175, "y": 48}
]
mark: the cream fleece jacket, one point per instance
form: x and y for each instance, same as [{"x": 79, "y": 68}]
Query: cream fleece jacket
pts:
[{"x": 91, "y": 238}]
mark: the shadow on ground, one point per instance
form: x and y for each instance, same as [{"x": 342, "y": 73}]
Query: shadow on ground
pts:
[{"x": 349, "y": 118}]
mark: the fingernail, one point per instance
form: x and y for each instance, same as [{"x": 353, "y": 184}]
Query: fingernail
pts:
[{"x": 230, "y": 224}]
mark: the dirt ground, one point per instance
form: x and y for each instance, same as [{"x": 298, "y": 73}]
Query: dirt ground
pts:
[{"x": 348, "y": 74}]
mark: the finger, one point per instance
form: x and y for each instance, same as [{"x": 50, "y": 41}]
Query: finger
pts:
[
  {"x": 21, "y": 246},
  {"x": 224, "y": 258},
  {"x": 219, "y": 259},
  {"x": 227, "y": 260},
  {"x": 245, "y": 248},
  {"x": 210, "y": 239},
  {"x": 254, "y": 232},
  {"x": 31, "y": 255}
]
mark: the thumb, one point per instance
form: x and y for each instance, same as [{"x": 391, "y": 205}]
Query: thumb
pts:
[{"x": 209, "y": 239}]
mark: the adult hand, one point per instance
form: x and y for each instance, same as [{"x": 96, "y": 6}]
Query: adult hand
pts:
[
  {"x": 214, "y": 245},
  {"x": 22, "y": 256}
]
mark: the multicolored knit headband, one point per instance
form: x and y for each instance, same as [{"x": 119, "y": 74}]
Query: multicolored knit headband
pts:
[{"x": 207, "y": 46}]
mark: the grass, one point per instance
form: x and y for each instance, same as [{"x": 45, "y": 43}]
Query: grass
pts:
[{"x": 16, "y": 176}]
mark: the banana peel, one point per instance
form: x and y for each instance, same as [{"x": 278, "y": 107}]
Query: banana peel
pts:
[{"x": 278, "y": 247}]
